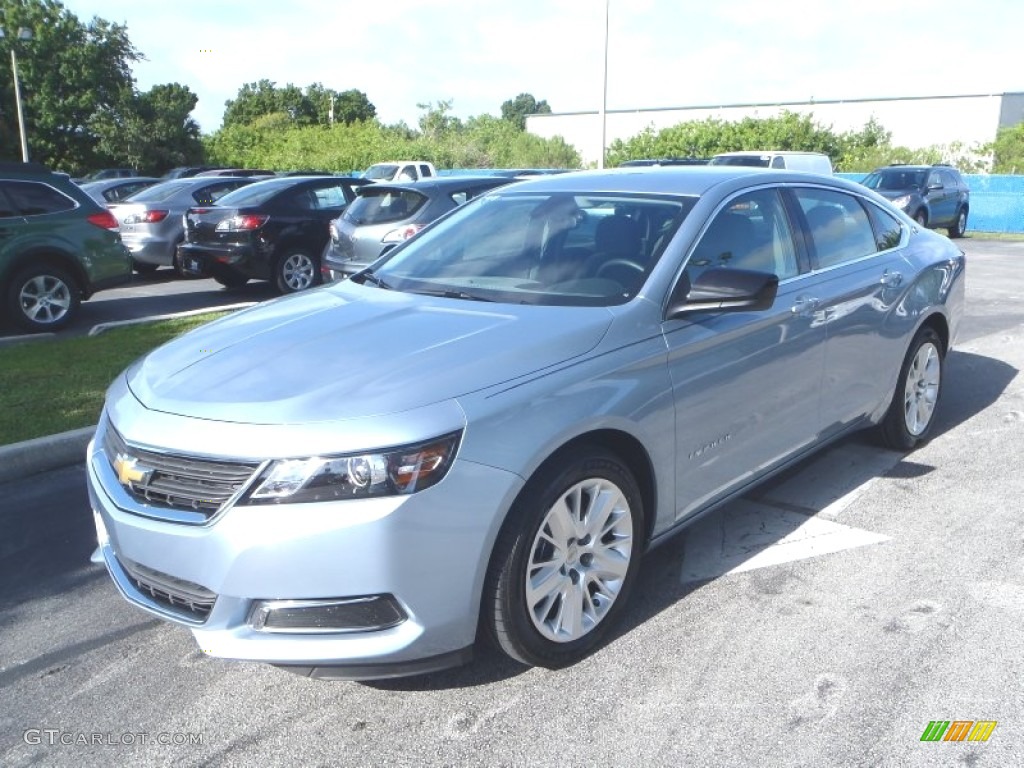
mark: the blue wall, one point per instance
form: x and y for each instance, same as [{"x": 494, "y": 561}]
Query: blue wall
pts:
[{"x": 997, "y": 202}]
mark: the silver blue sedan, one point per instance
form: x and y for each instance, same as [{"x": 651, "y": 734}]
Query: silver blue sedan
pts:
[{"x": 481, "y": 435}]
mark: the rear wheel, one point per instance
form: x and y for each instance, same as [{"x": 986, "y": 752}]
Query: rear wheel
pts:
[
  {"x": 960, "y": 225},
  {"x": 296, "y": 270},
  {"x": 911, "y": 413},
  {"x": 566, "y": 559},
  {"x": 43, "y": 298}
]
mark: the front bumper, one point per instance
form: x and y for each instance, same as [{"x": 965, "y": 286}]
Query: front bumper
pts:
[{"x": 429, "y": 551}]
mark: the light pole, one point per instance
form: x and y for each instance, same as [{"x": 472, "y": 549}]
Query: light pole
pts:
[
  {"x": 604, "y": 89},
  {"x": 23, "y": 34}
]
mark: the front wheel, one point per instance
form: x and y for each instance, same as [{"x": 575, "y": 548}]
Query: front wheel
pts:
[
  {"x": 43, "y": 298},
  {"x": 960, "y": 225},
  {"x": 911, "y": 413},
  {"x": 566, "y": 559},
  {"x": 921, "y": 217}
]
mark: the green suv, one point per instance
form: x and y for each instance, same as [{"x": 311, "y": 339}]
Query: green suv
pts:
[{"x": 57, "y": 247}]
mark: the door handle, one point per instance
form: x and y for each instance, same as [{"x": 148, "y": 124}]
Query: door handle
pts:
[
  {"x": 891, "y": 279},
  {"x": 805, "y": 304}
]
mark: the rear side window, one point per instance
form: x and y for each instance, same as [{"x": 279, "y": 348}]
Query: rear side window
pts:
[
  {"x": 31, "y": 198},
  {"x": 330, "y": 197},
  {"x": 888, "y": 230},
  {"x": 159, "y": 193},
  {"x": 838, "y": 225},
  {"x": 211, "y": 194},
  {"x": 380, "y": 207}
]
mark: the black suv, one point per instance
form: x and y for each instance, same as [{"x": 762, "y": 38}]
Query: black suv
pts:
[
  {"x": 271, "y": 230},
  {"x": 934, "y": 196},
  {"x": 58, "y": 246}
]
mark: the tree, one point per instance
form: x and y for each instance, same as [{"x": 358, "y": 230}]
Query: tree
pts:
[
  {"x": 309, "y": 106},
  {"x": 1008, "y": 150},
  {"x": 151, "y": 131},
  {"x": 515, "y": 110},
  {"x": 68, "y": 71}
]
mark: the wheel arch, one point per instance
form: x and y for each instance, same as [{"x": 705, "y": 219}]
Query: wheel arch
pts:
[
  {"x": 50, "y": 256},
  {"x": 938, "y": 323}
]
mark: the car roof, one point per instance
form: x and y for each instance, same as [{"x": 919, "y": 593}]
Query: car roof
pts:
[
  {"x": 686, "y": 180},
  {"x": 437, "y": 182}
]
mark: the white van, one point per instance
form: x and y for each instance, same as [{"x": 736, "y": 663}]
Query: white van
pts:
[{"x": 811, "y": 162}]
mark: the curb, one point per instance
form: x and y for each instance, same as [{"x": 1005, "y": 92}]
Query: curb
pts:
[
  {"x": 20, "y": 460},
  {"x": 99, "y": 328}
]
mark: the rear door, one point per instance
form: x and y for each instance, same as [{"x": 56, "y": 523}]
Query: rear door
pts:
[{"x": 858, "y": 272}]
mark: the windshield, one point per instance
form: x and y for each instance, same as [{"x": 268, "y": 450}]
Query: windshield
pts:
[
  {"x": 381, "y": 172},
  {"x": 523, "y": 248},
  {"x": 158, "y": 192},
  {"x": 895, "y": 180},
  {"x": 379, "y": 206}
]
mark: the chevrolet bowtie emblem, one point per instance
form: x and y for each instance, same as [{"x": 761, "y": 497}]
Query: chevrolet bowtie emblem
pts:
[{"x": 127, "y": 470}]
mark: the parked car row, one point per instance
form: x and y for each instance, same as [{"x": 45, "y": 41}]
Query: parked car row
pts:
[{"x": 298, "y": 231}]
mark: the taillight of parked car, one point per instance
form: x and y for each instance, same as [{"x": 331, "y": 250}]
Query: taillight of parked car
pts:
[
  {"x": 104, "y": 219},
  {"x": 402, "y": 233},
  {"x": 333, "y": 232},
  {"x": 242, "y": 223},
  {"x": 146, "y": 217}
]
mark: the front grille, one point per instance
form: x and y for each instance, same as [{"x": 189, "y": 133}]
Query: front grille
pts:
[
  {"x": 175, "y": 482},
  {"x": 182, "y": 597}
]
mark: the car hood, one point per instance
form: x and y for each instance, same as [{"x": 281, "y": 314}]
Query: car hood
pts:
[{"x": 353, "y": 351}]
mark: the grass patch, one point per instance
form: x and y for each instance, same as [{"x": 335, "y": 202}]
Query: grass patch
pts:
[
  {"x": 48, "y": 387},
  {"x": 1013, "y": 236}
]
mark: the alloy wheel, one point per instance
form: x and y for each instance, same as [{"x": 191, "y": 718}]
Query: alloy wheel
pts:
[
  {"x": 45, "y": 299},
  {"x": 921, "y": 390}
]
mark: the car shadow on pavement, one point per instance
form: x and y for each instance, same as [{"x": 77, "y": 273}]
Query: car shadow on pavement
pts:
[{"x": 787, "y": 507}]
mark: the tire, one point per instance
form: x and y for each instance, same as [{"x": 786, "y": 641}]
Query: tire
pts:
[
  {"x": 556, "y": 520},
  {"x": 960, "y": 225},
  {"x": 296, "y": 271},
  {"x": 231, "y": 279},
  {"x": 911, "y": 414},
  {"x": 921, "y": 217},
  {"x": 143, "y": 268},
  {"x": 178, "y": 266},
  {"x": 43, "y": 298}
]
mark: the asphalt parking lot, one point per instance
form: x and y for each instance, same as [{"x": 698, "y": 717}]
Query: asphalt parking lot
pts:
[{"x": 824, "y": 620}]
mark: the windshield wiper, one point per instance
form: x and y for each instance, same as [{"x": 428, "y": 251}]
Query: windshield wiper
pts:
[
  {"x": 449, "y": 293},
  {"x": 368, "y": 276}
]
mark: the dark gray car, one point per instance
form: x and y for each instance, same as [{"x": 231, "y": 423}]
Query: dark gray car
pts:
[
  {"x": 935, "y": 196},
  {"x": 384, "y": 215}
]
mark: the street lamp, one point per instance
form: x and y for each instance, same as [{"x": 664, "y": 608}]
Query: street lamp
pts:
[
  {"x": 23, "y": 34},
  {"x": 604, "y": 89}
]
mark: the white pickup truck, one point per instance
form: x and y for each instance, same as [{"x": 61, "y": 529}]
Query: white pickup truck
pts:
[{"x": 400, "y": 170}]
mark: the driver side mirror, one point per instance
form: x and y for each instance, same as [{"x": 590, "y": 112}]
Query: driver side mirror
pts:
[{"x": 721, "y": 289}]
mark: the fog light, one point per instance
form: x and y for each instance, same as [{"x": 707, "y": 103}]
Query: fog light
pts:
[{"x": 352, "y": 614}]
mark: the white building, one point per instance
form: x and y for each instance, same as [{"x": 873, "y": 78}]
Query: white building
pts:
[{"x": 915, "y": 122}]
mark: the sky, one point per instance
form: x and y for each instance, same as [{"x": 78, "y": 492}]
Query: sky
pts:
[{"x": 660, "y": 53}]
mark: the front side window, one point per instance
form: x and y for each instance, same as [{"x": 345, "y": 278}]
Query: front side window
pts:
[
  {"x": 838, "y": 225},
  {"x": 531, "y": 248},
  {"x": 751, "y": 232}
]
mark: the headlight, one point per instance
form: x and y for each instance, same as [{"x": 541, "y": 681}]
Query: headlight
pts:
[
  {"x": 394, "y": 472},
  {"x": 902, "y": 202}
]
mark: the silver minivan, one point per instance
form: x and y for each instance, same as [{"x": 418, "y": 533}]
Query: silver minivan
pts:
[{"x": 479, "y": 435}]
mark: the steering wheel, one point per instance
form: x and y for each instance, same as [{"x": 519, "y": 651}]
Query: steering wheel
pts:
[{"x": 618, "y": 263}]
